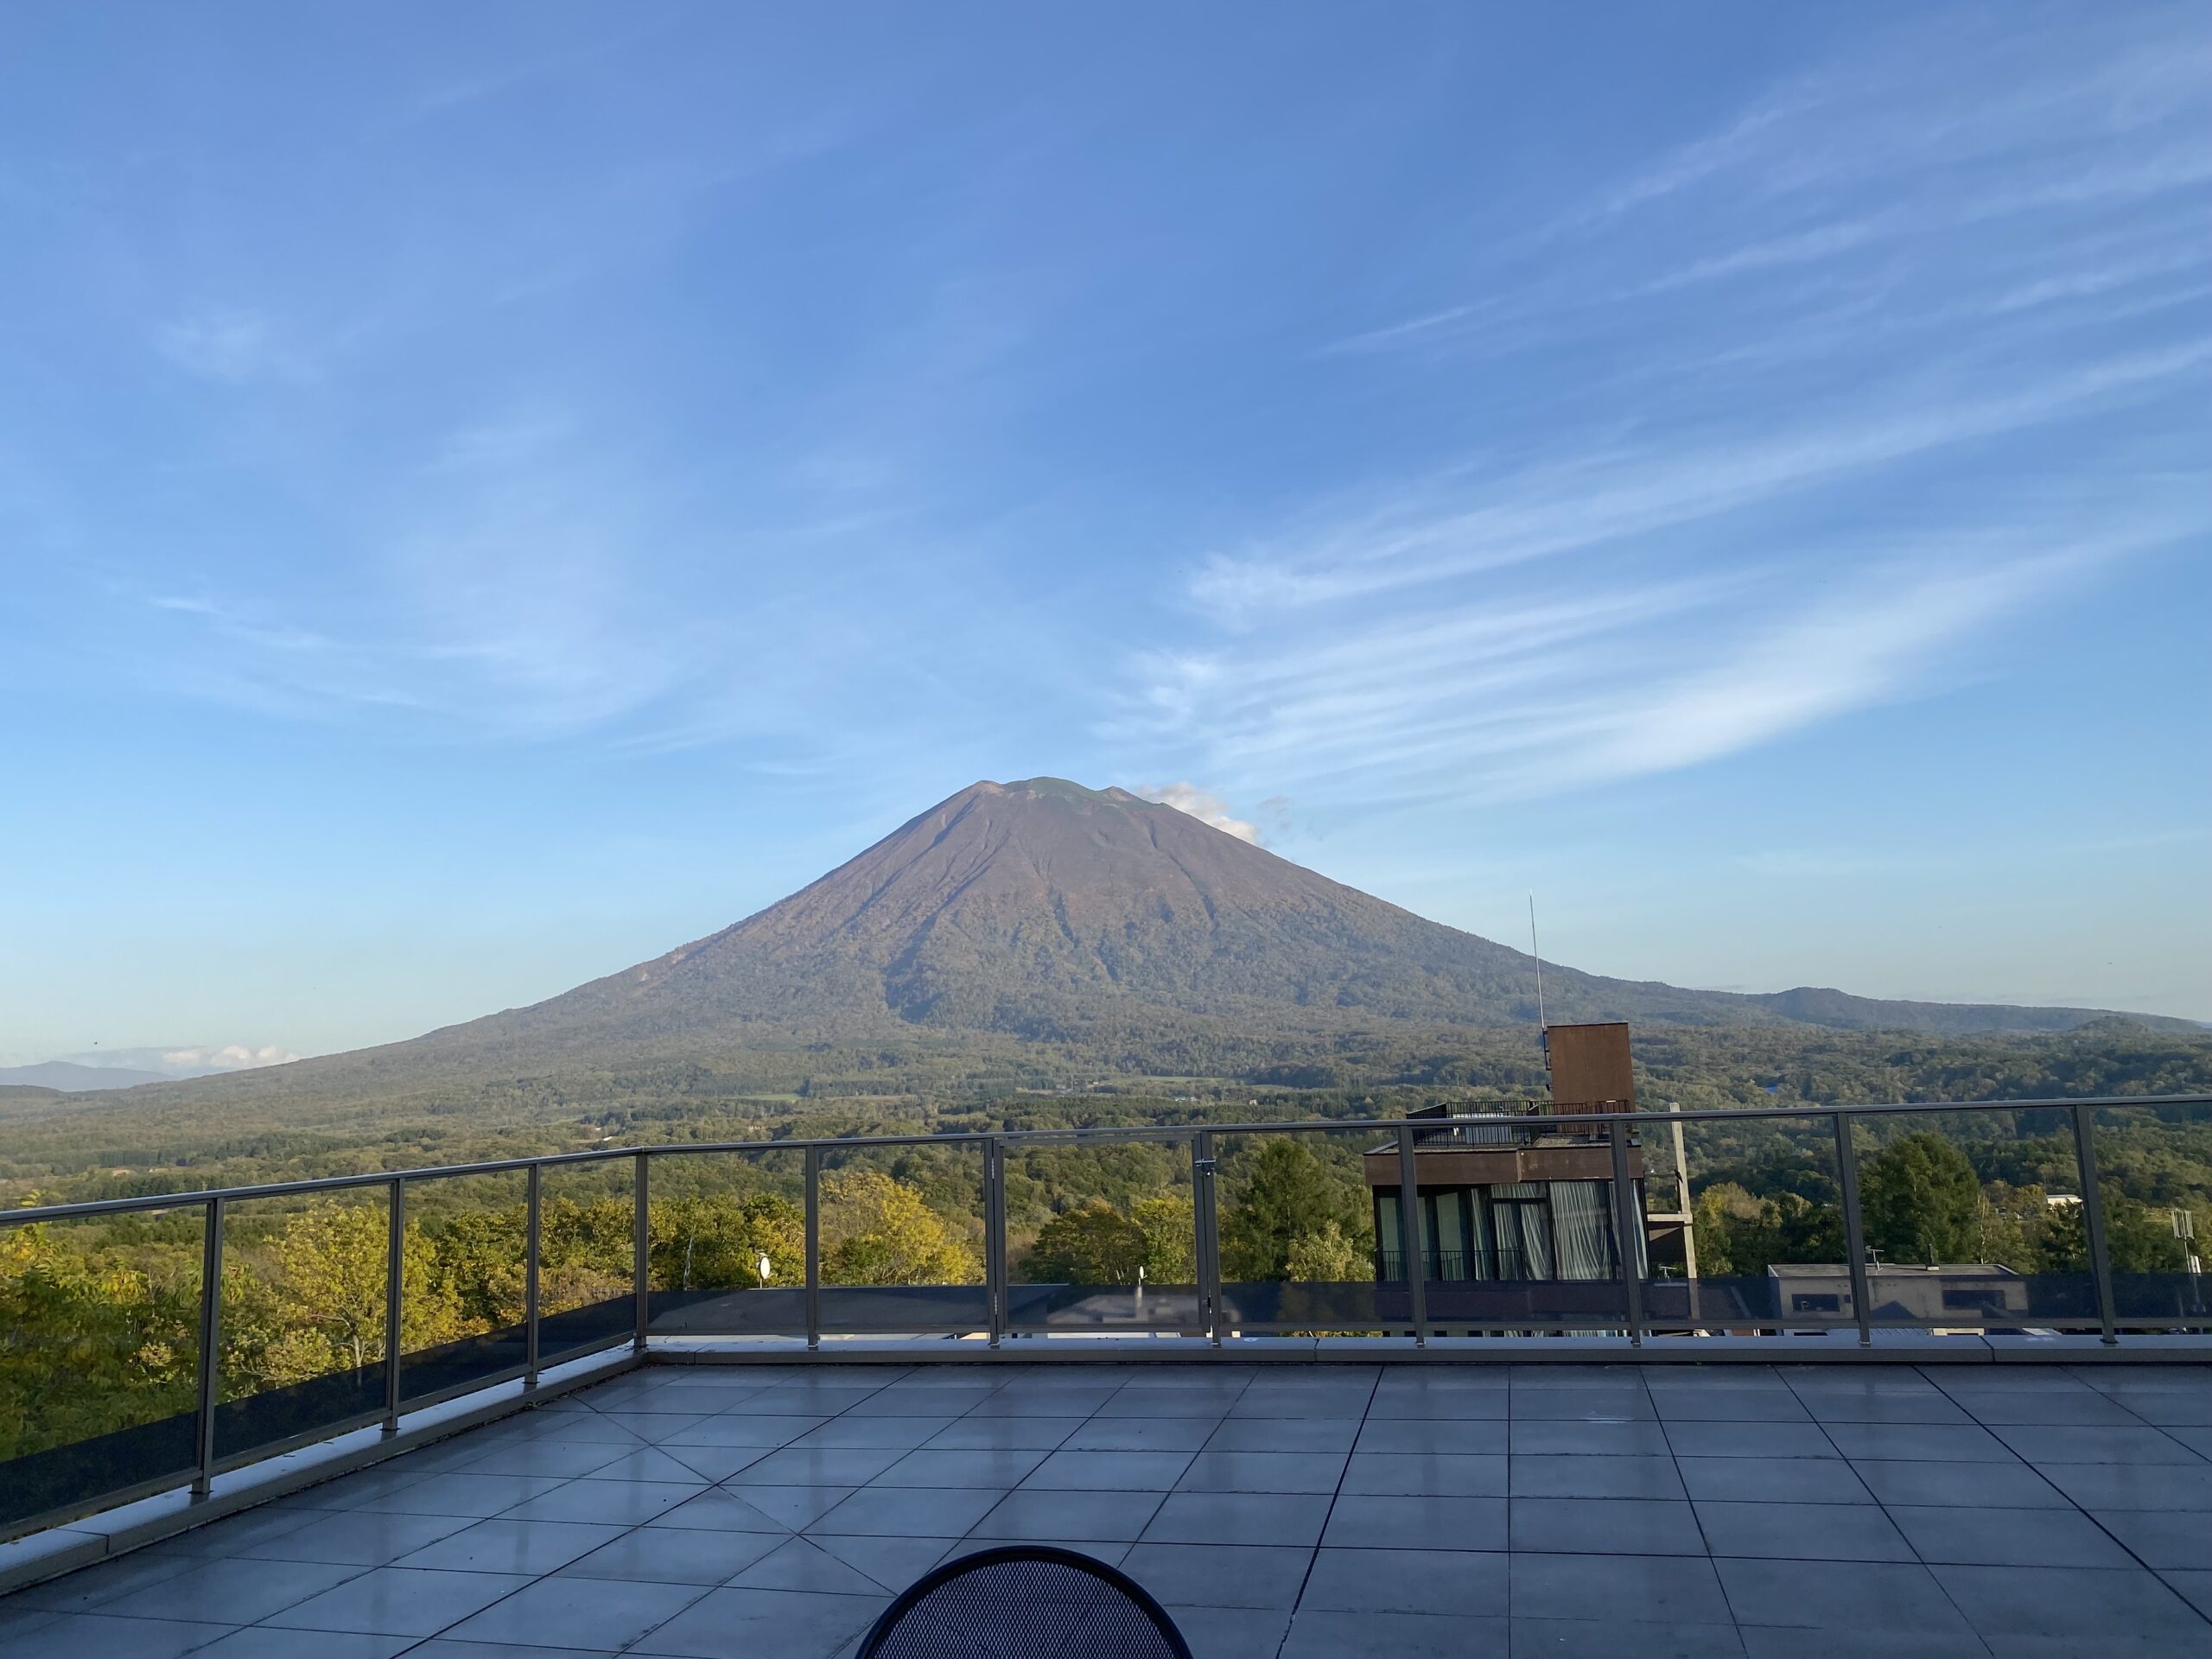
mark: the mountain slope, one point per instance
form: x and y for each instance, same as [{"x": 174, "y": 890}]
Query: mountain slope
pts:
[
  {"x": 1041, "y": 908},
  {"x": 1042, "y": 911}
]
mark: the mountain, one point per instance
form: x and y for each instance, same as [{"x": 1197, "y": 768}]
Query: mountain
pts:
[
  {"x": 1117, "y": 929},
  {"x": 71, "y": 1078}
]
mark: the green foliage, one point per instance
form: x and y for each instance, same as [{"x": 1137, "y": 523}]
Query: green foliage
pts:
[
  {"x": 707, "y": 1243},
  {"x": 1284, "y": 1195},
  {"x": 1742, "y": 1235},
  {"x": 1093, "y": 1243},
  {"x": 100, "y": 1321},
  {"x": 1170, "y": 1240},
  {"x": 1327, "y": 1257},
  {"x": 2138, "y": 1238},
  {"x": 877, "y": 1230},
  {"x": 311, "y": 1301},
  {"x": 1921, "y": 1201},
  {"x": 90, "y": 1343}
]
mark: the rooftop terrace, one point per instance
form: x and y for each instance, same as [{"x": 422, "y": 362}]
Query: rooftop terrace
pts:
[
  {"x": 708, "y": 1398},
  {"x": 1277, "y": 1509}
]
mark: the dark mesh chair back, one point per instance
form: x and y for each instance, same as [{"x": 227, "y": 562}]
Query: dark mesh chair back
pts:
[{"x": 1027, "y": 1601}]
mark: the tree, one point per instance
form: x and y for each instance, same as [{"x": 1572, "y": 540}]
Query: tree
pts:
[
  {"x": 1921, "y": 1201},
  {"x": 89, "y": 1345},
  {"x": 2138, "y": 1238},
  {"x": 1287, "y": 1194},
  {"x": 877, "y": 1230},
  {"x": 586, "y": 1253},
  {"x": 716, "y": 1244},
  {"x": 1741, "y": 1236},
  {"x": 1092, "y": 1243},
  {"x": 1170, "y": 1240},
  {"x": 1328, "y": 1257},
  {"x": 325, "y": 1307},
  {"x": 479, "y": 1266}
]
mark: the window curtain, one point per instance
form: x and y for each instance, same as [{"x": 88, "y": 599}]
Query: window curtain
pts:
[
  {"x": 1447, "y": 1250},
  {"x": 1637, "y": 1238},
  {"x": 1524, "y": 1242},
  {"x": 1580, "y": 1214},
  {"x": 1480, "y": 1262}
]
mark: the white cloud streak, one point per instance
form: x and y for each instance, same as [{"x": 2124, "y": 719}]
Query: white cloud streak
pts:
[
  {"x": 1207, "y": 807},
  {"x": 1870, "y": 344}
]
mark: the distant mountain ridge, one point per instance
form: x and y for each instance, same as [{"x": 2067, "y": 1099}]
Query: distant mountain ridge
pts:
[
  {"x": 1043, "y": 911},
  {"x": 73, "y": 1078}
]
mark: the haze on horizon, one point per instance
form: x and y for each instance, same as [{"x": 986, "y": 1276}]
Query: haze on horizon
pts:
[{"x": 485, "y": 497}]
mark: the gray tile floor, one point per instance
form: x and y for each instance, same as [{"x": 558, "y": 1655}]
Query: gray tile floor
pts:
[{"x": 1513, "y": 1510}]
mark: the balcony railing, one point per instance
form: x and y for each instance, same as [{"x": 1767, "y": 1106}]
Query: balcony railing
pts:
[{"x": 674, "y": 1242}]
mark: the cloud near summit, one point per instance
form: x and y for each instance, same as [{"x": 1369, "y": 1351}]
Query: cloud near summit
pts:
[{"x": 1207, "y": 807}]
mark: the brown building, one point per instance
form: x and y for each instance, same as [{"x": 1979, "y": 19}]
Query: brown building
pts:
[{"x": 1528, "y": 1202}]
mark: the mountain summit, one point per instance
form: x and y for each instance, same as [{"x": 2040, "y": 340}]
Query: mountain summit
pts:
[
  {"x": 1043, "y": 911},
  {"x": 1043, "y": 908}
]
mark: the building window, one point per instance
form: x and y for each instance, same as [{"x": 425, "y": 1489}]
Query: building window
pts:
[
  {"x": 1812, "y": 1301},
  {"x": 1974, "y": 1298}
]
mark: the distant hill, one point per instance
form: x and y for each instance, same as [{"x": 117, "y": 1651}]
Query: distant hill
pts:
[
  {"x": 1045, "y": 913},
  {"x": 71, "y": 1078}
]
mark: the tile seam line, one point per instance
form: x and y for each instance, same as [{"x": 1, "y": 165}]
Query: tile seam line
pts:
[
  {"x": 538, "y": 1579},
  {"x": 1928, "y": 1567},
  {"x": 1697, "y": 1520},
  {"x": 1091, "y": 1418},
  {"x": 644, "y": 1635},
  {"x": 107, "y": 1611},
  {"x": 2068, "y": 1498},
  {"x": 1314, "y": 1555}
]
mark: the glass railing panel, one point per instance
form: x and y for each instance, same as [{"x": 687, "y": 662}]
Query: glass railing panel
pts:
[
  {"x": 1761, "y": 1246},
  {"x": 1296, "y": 1223},
  {"x": 728, "y": 1232},
  {"x": 1101, "y": 1236},
  {"x": 463, "y": 1308},
  {"x": 1965, "y": 1215},
  {"x": 100, "y": 1321},
  {"x": 303, "y": 1319},
  {"x": 2154, "y": 1174},
  {"x": 587, "y": 1252},
  {"x": 902, "y": 1240}
]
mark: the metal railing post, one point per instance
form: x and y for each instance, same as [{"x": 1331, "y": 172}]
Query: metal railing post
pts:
[
  {"x": 994, "y": 1235},
  {"x": 1626, "y": 1225},
  {"x": 814, "y": 1247},
  {"x": 1206, "y": 1235},
  {"x": 2093, "y": 1220},
  {"x": 395, "y": 1290},
  {"x": 1854, "y": 1229},
  {"x": 1409, "y": 1236},
  {"x": 211, "y": 1330},
  {"x": 529, "y": 1283},
  {"x": 641, "y": 1255}
]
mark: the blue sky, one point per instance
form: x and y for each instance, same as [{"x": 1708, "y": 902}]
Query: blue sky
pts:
[{"x": 488, "y": 493}]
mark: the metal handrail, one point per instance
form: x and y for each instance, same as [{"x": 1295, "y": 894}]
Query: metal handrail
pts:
[
  {"x": 1203, "y": 1139},
  {"x": 1046, "y": 1137}
]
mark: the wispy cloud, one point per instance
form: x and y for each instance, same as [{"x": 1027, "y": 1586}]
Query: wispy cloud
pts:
[
  {"x": 1205, "y": 806},
  {"x": 1868, "y": 348},
  {"x": 1491, "y": 698},
  {"x": 234, "y": 346}
]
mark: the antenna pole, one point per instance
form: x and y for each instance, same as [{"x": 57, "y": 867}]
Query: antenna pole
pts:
[{"x": 1539, "y": 955}]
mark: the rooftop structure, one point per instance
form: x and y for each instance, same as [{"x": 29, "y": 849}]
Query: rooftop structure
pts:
[{"x": 1977, "y": 1290}]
